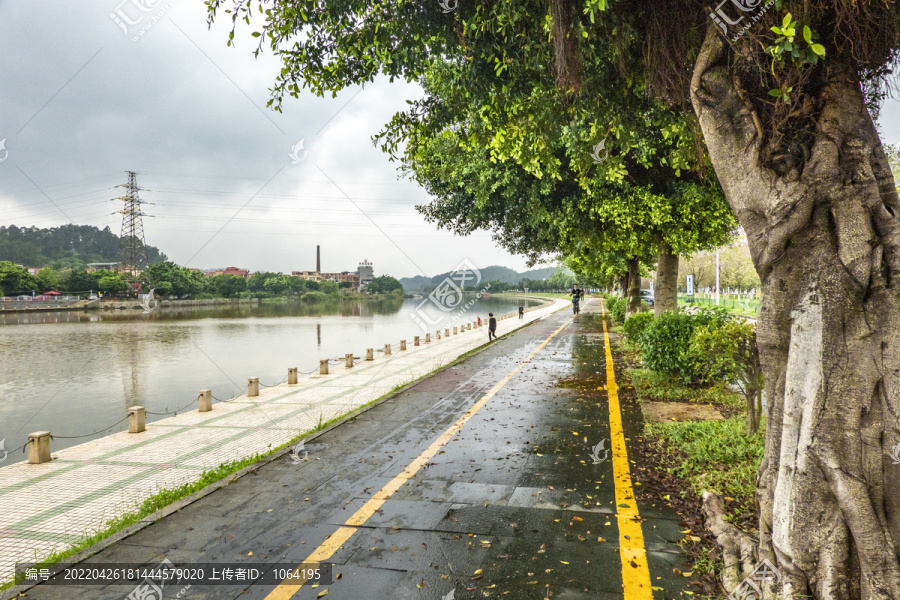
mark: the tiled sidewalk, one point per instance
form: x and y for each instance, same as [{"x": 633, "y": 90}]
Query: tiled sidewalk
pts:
[{"x": 50, "y": 506}]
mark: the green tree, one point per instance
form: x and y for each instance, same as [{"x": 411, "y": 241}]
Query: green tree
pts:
[
  {"x": 228, "y": 286},
  {"x": 47, "y": 280},
  {"x": 276, "y": 284},
  {"x": 184, "y": 282},
  {"x": 384, "y": 285},
  {"x": 14, "y": 279},
  {"x": 112, "y": 284},
  {"x": 78, "y": 280},
  {"x": 328, "y": 287},
  {"x": 257, "y": 281},
  {"x": 297, "y": 285}
]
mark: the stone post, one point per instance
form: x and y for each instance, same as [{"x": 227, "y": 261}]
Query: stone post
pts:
[
  {"x": 427, "y": 338},
  {"x": 253, "y": 386},
  {"x": 416, "y": 341},
  {"x": 292, "y": 375},
  {"x": 455, "y": 330},
  {"x": 205, "y": 400},
  {"x": 387, "y": 349},
  {"x": 38, "y": 447},
  {"x": 370, "y": 353},
  {"x": 402, "y": 345},
  {"x": 137, "y": 419},
  {"x": 447, "y": 332},
  {"x": 348, "y": 360},
  {"x": 323, "y": 366}
]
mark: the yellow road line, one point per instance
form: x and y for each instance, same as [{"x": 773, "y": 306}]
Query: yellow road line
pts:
[
  {"x": 285, "y": 590},
  {"x": 635, "y": 572}
]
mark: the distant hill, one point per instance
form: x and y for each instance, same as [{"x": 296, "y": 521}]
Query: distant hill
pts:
[
  {"x": 538, "y": 274},
  {"x": 493, "y": 273},
  {"x": 71, "y": 244}
]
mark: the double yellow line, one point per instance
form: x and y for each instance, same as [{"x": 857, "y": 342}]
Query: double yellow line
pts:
[{"x": 629, "y": 522}]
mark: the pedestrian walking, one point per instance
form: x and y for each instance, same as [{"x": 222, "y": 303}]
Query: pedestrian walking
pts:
[
  {"x": 521, "y": 312},
  {"x": 492, "y": 327}
]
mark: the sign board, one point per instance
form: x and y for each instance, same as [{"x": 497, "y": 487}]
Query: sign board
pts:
[{"x": 690, "y": 285}]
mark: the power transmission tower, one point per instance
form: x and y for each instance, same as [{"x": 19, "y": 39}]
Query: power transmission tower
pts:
[{"x": 132, "y": 245}]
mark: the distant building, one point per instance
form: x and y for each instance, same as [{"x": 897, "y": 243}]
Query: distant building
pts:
[
  {"x": 245, "y": 273},
  {"x": 343, "y": 277},
  {"x": 366, "y": 273},
  {"x": 102, "y": 266}
]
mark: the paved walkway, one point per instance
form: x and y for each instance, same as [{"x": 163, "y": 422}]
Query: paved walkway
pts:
[
  {"x": 50, "y": 506},
  {"x": 478, "y": 482}
]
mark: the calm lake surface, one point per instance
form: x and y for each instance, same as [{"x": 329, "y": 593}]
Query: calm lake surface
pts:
[{"x": 76, "y": 373}]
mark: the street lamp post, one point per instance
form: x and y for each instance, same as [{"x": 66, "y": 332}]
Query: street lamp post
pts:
[{"x": 717, "y": 277}]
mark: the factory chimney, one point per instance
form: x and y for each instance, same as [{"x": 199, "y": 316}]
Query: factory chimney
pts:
[{"x": 318, "y": 260}]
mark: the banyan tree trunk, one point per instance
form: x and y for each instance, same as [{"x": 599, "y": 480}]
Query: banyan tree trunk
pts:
[
  {"x": 823, "y": 234},
  {"x": 633, "y": 293},
  {"x": 665, "y": 294}
]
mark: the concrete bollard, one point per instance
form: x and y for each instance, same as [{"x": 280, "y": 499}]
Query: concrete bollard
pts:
[
  {"x": 253, "y": 386},
  {"x": 370, "y": 353},
  {"x": 323, "y": 366},
  {"x": 469, "y": 326},
  {"x": 428, "y": 338},
  {"x": 205, "y": 400},
  {"x": 137, "y": 419},
  {"x": 402, "y": 345},
  {"x": 447, "y": 332},
  {"x": 38, "y": 447},
  {"x": 292, "y": 375},
  {"x": 455, "y": 330},
  {"x": 387, "y": 349},
  {"x": 416, "y": 341},
  {"x": 348, "y": 360}
]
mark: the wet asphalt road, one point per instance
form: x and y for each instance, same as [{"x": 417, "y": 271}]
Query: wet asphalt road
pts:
[{"x": 501, "y": 497}]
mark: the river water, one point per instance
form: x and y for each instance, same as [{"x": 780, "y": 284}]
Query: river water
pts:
[{"x": 76, "y": 373}]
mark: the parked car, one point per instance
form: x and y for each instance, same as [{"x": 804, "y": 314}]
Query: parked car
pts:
[{"x": 647, "y": 296}]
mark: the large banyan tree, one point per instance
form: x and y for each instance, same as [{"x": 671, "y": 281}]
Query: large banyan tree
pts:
[{"x": 782, "y": 95}]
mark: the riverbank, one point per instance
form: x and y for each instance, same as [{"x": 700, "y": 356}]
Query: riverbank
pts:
[
  {"x": 57, "y": 505},
  {"x": 129, "y": 305}
]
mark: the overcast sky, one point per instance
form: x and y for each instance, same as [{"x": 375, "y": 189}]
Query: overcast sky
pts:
[{"x": 84, "y": 101}]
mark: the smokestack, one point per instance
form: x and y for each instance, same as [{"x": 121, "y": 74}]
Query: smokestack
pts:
[{"x": 318, "y": 260}]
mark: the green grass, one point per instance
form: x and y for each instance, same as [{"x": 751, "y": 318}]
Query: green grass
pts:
[
  {"x": 717, "y": 456},
  {"x": 732, "y": 305},
  {"x": 659, "y": 387}
]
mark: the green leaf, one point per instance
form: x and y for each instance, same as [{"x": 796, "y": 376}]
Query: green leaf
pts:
[
  {"x": 807, "y": 34},
  {"x": 818, "y": 49}
]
